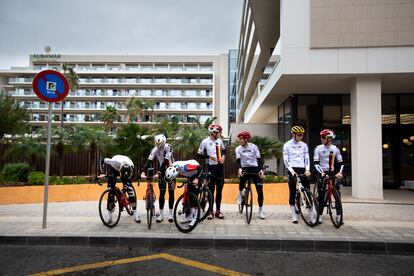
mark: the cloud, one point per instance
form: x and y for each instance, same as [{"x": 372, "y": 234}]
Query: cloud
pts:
[{"x": 117, "y": 27}]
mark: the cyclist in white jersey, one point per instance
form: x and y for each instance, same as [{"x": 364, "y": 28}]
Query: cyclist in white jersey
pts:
[
  {"x": 324, "y": 159},
  {"x": 296, "y": 159},
  {"x": 213, "y": 149},
  {"x": 122, "y": 166},
  {"x": 164, "y": 153},
  {"x": 249, "y": 161},
  {"x": 192, "y": 170}
]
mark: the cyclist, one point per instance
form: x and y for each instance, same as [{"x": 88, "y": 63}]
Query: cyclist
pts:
[
  {"x": 324, "y": 158},
  {"x": 121, "y": 165},
  {"x": 192, "y": 170},
  {"x": 213, "y": 148},
  {"x": 296, "y": 159},
  {"x": 248, "y": 160},
  {"x": 164, "y": 153}
]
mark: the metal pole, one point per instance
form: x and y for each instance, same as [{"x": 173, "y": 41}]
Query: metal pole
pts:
[{"x": 49, "y": 130}]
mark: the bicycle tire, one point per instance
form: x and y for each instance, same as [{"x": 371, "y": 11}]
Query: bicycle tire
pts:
[
  {"x": 128, "y": 208},
  {"x": 205, "y": 198},
  {"x": 150, "y": 210},
  {"x": 249, "y": 204},
  {"x": 305, "y": 201},
  {"x": 182, "y": 210},
  {"x": 104, "y": 208},
  {"x": 335, "y": 209}
]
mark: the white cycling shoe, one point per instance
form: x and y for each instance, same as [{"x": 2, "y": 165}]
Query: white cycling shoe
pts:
[
  {"x": 239, "y": 198},
  {"x": 108, "y": 218},
  {"x": 137, "y": 217},
  {"x": 262, "y": 214}
]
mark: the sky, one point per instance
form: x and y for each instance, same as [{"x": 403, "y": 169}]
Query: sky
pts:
[{"x": 116, "y": 27}]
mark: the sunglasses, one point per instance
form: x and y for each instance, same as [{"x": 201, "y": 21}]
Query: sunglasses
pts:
[{"x": 299, "y": 134}]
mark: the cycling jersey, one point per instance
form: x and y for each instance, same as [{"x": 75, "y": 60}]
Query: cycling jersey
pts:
[
  {"x": 295, "y": 155},
  {"x": 325, "y": 156},
  {"x": 165, "y": 153},
  {"x": 248, "y": 155},
  {"x": 117, "y": 160},
  {"x": 212, "y": 147},
  {"x": 188, "y": 168}
]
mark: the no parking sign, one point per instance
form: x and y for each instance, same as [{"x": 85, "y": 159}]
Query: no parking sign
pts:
[{"x": 50, "y": 86}]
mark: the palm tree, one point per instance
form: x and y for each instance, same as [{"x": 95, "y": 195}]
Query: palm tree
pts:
[
  {"x": 169, "y": 128},
  {"x": 147, "y": 105},
  {"x": 133, "y": 140},
  {"x": 134, "y": 108},
  {"x": 73, "y": 81},
  {"x": 109, "y": 116},
  {"x": 90, "y": 138},
  {"x": 28, "y": 148}
]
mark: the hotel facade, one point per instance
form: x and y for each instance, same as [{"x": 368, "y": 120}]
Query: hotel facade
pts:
[
  {"x": 188, "y": 88},
  {"x": 339, "y": 64}
]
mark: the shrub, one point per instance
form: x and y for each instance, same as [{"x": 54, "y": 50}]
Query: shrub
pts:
[
  {"x": 16, "y": 172},
  {"x": 36, "y": 178}
]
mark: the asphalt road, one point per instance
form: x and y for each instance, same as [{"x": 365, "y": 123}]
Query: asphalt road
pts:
[{"x": 23, "y": 260}]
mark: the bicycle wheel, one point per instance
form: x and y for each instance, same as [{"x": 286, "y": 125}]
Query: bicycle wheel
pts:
[
  {"x": 335, "y": 209},
  {"x": 109, "y": 208},
  {"x": 249, "y": 204},
  {"x": 150, "y": 208},
  {"x": 128, "y": 208},
  {"x": 205, "y": 198},
  {"x": 186, "y": 212},
  {"x": 308, "y": 207}
]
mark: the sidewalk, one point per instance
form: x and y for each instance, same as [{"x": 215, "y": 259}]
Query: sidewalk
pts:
[{"x": 385, "y": 227}]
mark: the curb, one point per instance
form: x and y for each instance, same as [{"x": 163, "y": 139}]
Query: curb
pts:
[{"x": 281, "y": 245}]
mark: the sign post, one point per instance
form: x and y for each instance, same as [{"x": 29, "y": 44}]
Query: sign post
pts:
[{"x": 50, "y": 86}]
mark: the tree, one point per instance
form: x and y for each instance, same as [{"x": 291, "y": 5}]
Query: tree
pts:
[
  {"x": 169, "y": 128},
  {"x": 90, "y": 138},
  {"x": 73, "y": 81},
  {"x": 109, "y": 116},
  {"x": 29, "y": 148},
  {"x": 13, "y": 119},
  {"x": 133, "y": 140},
  {"x": 134, "y": 107},
  {"x": 60, "y": 138}
]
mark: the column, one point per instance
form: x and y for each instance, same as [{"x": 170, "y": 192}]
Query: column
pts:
[{"x": 366, "y": 136}]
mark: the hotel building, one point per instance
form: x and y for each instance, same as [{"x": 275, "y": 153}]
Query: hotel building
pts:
[{"x": 185, "y": 87}]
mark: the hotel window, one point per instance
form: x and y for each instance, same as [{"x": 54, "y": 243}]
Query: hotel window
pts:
[
  {"x": 161, "y": 67},
  {"x": 206, "y": 68},
  {"x": 146, "y": 80},
  {"x": 158, "y": 93},
  {"x": 175, "y": 105},
  {"x": 192, "y": 106},
  {"x": 176, "y": 68},
  {"x": 191, "y": 68},
  {"x": 191, "y": 118},
  {"x": 175, "y": 80},
  {"x": 146, "y": 93},
  {"x": 191, "y": 93},
  {"x": 175, "y": 93},
  {"x": 147, "y": 67},
  {"x": 131, "y": 80}
]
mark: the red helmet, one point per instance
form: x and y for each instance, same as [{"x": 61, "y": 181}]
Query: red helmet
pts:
[
  {"x": 327, "y": 133},
  {"x": 244, "y": 135},
  {"x": 214, "y": 128}
]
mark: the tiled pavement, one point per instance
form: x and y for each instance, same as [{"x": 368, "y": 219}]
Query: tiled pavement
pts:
[{"x": 385, "y": 227}]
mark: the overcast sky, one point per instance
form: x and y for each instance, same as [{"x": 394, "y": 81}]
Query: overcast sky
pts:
[{"x": 134, "y": 27}]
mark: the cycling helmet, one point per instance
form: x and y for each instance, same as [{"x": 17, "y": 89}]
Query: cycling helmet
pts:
[
  {"x": 297, "y": 129},
  {"x": 244, "y": 135},
  {"x": 171, "y": 173},
  {"x": 160, "y": 140},
  {"x": 327, "y": 133},
  {"x": 125, "y": 171},
  {"x": 214, "y": 128}
]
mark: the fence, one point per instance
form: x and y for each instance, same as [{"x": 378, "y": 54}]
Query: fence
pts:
[{"x": 78, "y": 163}]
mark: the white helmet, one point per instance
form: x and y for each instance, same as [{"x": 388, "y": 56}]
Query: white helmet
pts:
[
  {"x": 171, "y": 173},
  {"x": 160, "y": 140}
]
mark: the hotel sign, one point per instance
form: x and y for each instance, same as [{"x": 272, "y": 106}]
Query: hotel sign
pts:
[{"x": 47, "y": 55}]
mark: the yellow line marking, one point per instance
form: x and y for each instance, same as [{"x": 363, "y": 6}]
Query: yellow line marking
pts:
[
  {"x": 164, "y": 256},
  {"x": 98, "y": 265},
  {"x": 200, "y": 265}
]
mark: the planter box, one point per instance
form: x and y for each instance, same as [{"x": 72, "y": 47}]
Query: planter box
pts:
[{"x": 277, "y": 193}]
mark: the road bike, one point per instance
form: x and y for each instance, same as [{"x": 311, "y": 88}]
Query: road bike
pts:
[
  {"x": 205, "y": 197},
  {"x": 112, "y": 202},
  {"x": 186, "y": 209},
  {"x": 306, "y": 204},
  {"x": 332, "y": 199},
  {"x": 150, "y": 197},
  {"x": 247, "y": 196}
]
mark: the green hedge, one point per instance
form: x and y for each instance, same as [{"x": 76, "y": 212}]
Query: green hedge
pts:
[
  {"x": 15, "y": 172},
  {"x": 36, "y": 178}
]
